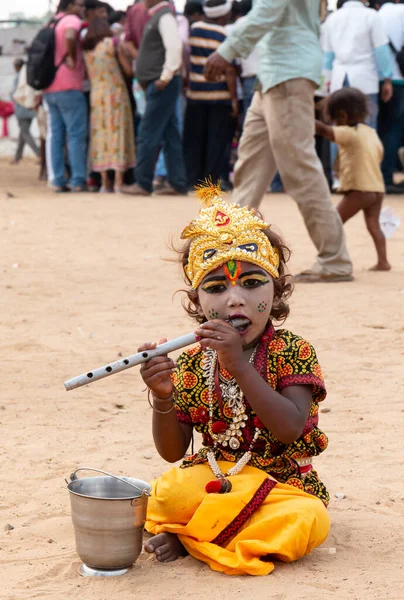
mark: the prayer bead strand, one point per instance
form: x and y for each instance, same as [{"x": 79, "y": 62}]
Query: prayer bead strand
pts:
[{"x": 235, "y": 397}]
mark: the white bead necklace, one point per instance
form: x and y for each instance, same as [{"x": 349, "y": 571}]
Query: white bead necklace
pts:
[{"x": 235, "y": 400}]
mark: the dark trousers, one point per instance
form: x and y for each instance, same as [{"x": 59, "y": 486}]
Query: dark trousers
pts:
[
  {"x": 234, "y": 133},
  {"x": 25, "y": 137},
  {"x": 323, "y": 146},
  {"x": 206, "y": 135},
  {"x": 159, "y": 127},
  {"x": 390, "y": 127}
]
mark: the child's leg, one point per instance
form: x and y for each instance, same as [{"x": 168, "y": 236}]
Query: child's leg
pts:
[
  {"x": 118, "y": 181},
  {"x": 350, "y": 205},
  {"x": 104, "y": 180},
  {"x": 372, "y": 216}
]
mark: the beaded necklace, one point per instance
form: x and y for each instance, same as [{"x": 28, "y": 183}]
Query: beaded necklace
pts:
[{"x": 219, "y": 432}]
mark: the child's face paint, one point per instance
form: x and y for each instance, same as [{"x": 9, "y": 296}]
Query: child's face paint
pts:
[
  {"x": 239, "y": 289},
  {"x": 232, "y": 270},
  {"x": 262, "y": 306}
]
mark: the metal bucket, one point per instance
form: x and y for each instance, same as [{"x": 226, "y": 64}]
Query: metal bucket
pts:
[{"x": 108, "y": 515}]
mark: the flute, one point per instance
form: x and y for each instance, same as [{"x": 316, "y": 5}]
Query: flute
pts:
[{"x": 139, "y": 358}]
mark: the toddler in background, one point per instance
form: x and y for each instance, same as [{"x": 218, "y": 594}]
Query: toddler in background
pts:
[{"x": 360, "y": 156}]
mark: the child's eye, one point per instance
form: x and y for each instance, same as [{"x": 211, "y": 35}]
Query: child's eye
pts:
[
  {"x": 215, "y": 289},
  {"x": 251, "y": 283}
]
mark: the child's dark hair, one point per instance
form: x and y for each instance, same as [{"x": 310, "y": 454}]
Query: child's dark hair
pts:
[
  {"x": 283, "y": 285},
  {"x": 349, "y": 100}
]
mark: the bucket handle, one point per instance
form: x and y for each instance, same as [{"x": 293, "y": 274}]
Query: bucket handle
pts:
[{"x": 73, "y": 477}]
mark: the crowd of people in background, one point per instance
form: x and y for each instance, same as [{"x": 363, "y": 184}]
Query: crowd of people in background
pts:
[
  {"x": 151, "y": 101},
  {"x": 190, "y": 127}
]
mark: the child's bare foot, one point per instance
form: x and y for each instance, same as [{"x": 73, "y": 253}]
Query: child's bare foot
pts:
[
  {"x": 166, "y": 546},
  {"x": 381, "y": 266}
]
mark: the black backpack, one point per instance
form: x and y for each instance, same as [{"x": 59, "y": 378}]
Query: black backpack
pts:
[
  {"x": 41, "y": 68},
  {"x": 399, "y": 56}
]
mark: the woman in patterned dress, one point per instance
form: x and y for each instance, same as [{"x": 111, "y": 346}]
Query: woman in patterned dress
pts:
[
  {"x": 250, "y": 494},
  {"x": 111, "y": 130}
]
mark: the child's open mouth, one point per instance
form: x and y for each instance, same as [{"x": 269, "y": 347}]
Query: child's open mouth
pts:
[
  {"x": 241, "y": 323},
  {"x": 244, "y": 328}
]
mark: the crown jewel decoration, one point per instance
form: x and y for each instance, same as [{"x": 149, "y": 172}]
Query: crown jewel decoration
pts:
[{"x": 226, "y": 232}]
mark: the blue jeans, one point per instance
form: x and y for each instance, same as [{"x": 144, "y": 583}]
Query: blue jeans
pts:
[
  {"x": 373, "y": 108},
  {"x": 161, "y": 170},
  {"x": 277, "y": 185},
  {"x": 68, "y": 120},
  {"x": 159, "y": 127},
  {"x": 391, "y": 131}
]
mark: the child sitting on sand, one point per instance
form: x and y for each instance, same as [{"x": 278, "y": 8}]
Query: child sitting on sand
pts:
[
  {"x": 360, "y": 156},
  {"x": 250, "y": 495}
]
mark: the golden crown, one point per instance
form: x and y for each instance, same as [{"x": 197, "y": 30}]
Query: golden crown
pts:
[{"x": 224, "y": 232}]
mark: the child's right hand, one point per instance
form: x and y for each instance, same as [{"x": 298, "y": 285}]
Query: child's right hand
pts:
[{"x": 156, "y": 372}]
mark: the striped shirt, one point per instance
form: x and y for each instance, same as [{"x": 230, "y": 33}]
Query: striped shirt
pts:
[{"x": 204, "y": 39}]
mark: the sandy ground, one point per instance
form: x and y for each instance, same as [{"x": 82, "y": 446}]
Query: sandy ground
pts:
[{"x": 83, "y": 282}]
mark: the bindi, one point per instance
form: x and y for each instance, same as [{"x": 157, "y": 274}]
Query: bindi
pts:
[{"x": 232, "y": 270}]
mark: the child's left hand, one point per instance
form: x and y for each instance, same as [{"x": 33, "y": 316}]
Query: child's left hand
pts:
[{"x": 225, "y": 339}]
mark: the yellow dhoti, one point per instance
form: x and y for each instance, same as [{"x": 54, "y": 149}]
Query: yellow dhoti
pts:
[{"x": 233, "y": 532}]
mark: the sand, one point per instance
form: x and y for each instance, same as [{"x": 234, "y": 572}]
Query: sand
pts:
[{"x": 84, "y": 281}]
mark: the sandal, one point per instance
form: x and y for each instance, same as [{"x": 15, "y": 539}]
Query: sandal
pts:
[
  {"x": 78, "y": 189},
  {"x": 312, "y": 277},
  {"x": 168, "y": 190},
  {"x": 134, "y": 190}
]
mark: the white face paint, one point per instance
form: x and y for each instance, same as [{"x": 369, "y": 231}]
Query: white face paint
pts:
[{"x": 249, "y": 295}]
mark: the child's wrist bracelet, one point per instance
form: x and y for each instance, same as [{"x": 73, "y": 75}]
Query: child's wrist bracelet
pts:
[
  {"x": 162, "y": 412},
  {"x": 162, "y": 400}
]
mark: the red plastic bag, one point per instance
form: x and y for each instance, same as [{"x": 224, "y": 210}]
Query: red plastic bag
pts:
[{"x": 6, "y": 111}]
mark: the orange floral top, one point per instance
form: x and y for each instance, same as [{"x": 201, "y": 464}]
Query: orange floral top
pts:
[{"x": 283, "y": 359}]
